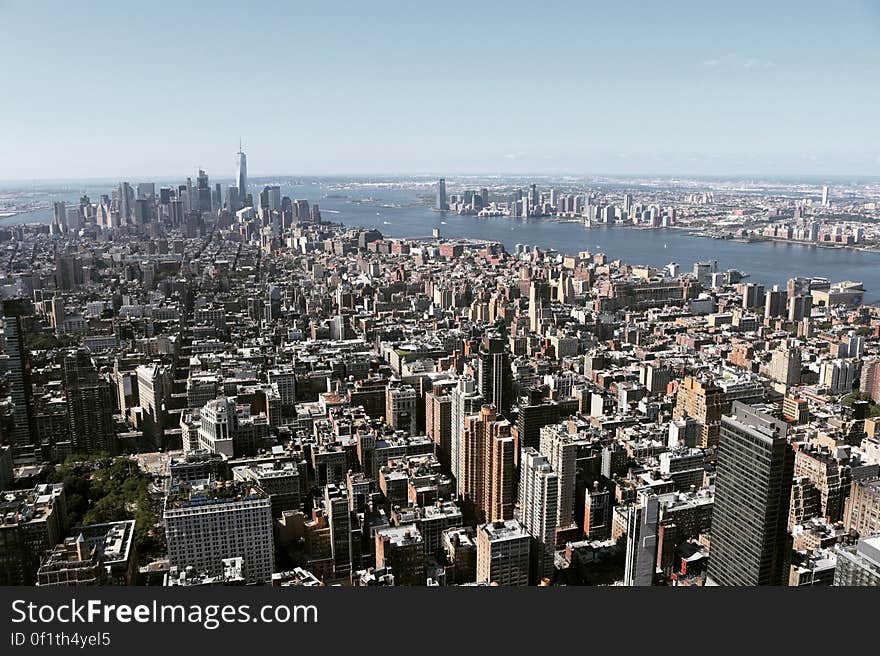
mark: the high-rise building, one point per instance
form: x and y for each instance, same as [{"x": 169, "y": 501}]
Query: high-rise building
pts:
[
  {"x": 217, "y": 427},
  {"x": 862, "y": 509},
  {"x": 538, "y": 496},
  {"x": 200, "y": 389},
  {"x": 532, "y": 418},
  {"x": 774, "y": 303},
  {"x": 859, "y": 565},
  {"x": 89, "y": 405},
  {"x": 800, "y": 307},
  {"x": 337, "y": 512},
  {"x": 280, "y": 480},
  {"x": 59, "y": 220},
  {"x": 126, "y": 203},
  {"x": 750, "y": 541},
  {"x": 284, "y": 380},
  {"x": 203, "y": 192},
  {"x": 438, "y": 421},
  {"x": 442, "y": 203},
  {"x": 7, "y": 473},
  {"x": 838, "y": 376},
  {"x": 597, "y": 513},
  {"x": 233, "y": 199},
  {"x": 753, "y": 296},
  {"x": 23, "y": 434},
  {"x": 487, "y": 465},
  {"x": 500, "y": 472},
  {"x": 869, "y": 382},
  {"x": 241, "y": 176},
  {"x": 707, "y": 400},
  {"x": 539, "y": 298},
  {"x": 466, "y": 401},
  {"x": 303, "y": 211},
  {"x": 641, "y": 541},
  {"x": 561, "y": 450},
  {"x": 210, "y": 521},
  {"x": 785, "y": 366},
  {"x": 400, "y": 408},
  {"x": 824, "y": 195},
  {"x": 154, "y": 390},
  {"x": 270, "y": 198},
  {"x": 496, "y": 377},
  {"x": 503, "y": 550},
  {"x": 831, "y": 477}
]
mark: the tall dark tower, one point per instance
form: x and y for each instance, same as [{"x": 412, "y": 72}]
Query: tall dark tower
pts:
[
  {"x": 496, "y": 379},
  {"x": 89, "y": 405},
  {"x": 442, "y": 204},
  {"x": 23, "y": 434},
  {"x": 203, "y": 192},
  {"x": 750, "y": 541}
]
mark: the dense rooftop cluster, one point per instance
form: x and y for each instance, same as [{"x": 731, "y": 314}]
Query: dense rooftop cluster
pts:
[{"x": 323, "y": 404}]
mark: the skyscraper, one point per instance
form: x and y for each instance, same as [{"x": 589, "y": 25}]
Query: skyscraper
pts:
[
  {"x": 60, "y": 215},
  {"x": 824, "y": 195},
  {"x": 203, "y": 192},
  {"x": 561, "y": 451},
  {"x": 487, "y": 465},
  {"x": 466, "y": 401},
  {"x": 337, "y": 512},
  {"x": 641, "y": 541},
  {"x": 799, "y": 307},
  {"x": 438, "y": 419},
  {"x": 241, "y": 175},
  {"x": 539, "y": 297},
  {"x": 532, "y": 418},
  {"x": 400, "y": 407},
  {"x": 774, "y": 302},
  {"x": 750, "y": 542},
  {"x": 89, "y": 405},
  {"x": 442, "y": 204},
  {"x": 496, "y": 378},
  {"x": 207, "y": 522},
  {"x": 154, "y": 388},
  {"x": 23, "y": 434},
  {"x": 538, "y": 495},
  {"x": 126, "y": 201}
]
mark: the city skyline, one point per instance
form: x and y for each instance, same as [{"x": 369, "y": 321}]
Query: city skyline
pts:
[
  {"x": 209, "y": 388},
  {"x": 365, "y": 92}
]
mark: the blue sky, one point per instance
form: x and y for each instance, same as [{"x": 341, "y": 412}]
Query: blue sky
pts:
[{"x": 110, "y": 89}]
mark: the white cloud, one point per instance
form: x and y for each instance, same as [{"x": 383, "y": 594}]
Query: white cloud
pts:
[{"x": 738, "y": 61}]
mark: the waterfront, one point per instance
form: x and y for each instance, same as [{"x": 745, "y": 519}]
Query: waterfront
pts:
[{"x": 399, "y": 209}]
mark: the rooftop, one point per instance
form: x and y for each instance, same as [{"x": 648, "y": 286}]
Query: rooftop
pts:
[{"x": 509, "y": 529}]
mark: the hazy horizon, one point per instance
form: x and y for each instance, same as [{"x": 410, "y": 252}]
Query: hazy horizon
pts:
[{"x": 432, "y": 177}]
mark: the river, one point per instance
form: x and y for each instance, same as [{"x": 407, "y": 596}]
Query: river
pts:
[{"x": 399, "y": 210}]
